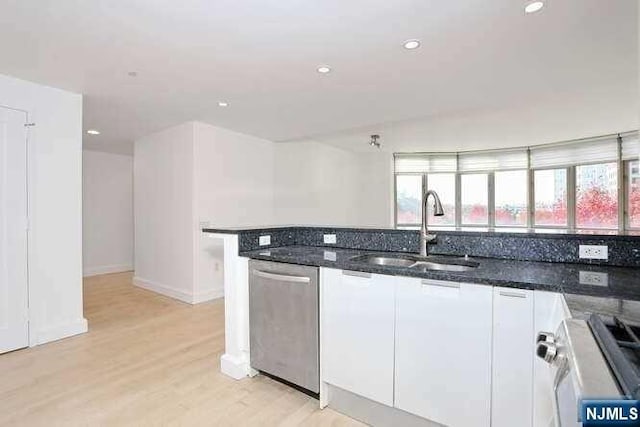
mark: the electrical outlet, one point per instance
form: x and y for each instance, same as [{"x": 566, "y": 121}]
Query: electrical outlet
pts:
[
  {"x": 594, "y": 278},
  {"x": 264, "y": 240},
  {"x": 594, "y": 252},
  {"x": 330, "y": 239},
  {"x": 330, "y": 256}
]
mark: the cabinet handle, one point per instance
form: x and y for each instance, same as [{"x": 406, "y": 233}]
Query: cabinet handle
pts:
[
  {"x": 513, "y": 294},
  {"x": 281, "y": 277},
  {"x": 356, "y": 274},
  {"x": 441, "y": 284}
]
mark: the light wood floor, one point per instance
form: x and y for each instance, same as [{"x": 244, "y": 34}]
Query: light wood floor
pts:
[{"x": 146, "y": 360}]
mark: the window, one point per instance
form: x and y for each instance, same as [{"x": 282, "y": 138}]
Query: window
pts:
[
  {"x": 633, "y": 193},
  {"x": 580, "y": 184},
  {"x": 550, "y": 197},
  {"x": 511, "y": 198},
  {"x": 445, "y": 185},
  {"x": 408, "y": 199},
  {"x": 597, "y": 196},
  {"x": 475, "y": 199}
]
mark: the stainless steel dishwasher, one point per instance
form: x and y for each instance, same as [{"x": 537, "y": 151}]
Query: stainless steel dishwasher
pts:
[{"x": 283, "y": 322}]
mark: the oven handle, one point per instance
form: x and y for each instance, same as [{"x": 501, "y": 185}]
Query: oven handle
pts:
[{"x": 562, "y": 373}]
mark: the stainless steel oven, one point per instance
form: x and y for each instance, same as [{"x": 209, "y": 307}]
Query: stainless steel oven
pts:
[{"x": 578, "y": 368}]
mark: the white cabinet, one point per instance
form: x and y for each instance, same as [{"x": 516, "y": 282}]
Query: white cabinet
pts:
[
  {"x": 443, "y": 351},
  {"x": 513, "y": 353},
  {"x": 357, "y": 330}
]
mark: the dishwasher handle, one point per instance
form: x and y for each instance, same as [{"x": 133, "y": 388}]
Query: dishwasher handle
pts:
[{"x": 281, "y": 277}]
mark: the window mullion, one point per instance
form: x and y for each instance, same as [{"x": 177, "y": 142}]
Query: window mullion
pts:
[
  {"x": 571, "y": 198},
  {"x": 458, "y": 201},
  {"x": 425, "y": 187},
  {"x": 491, "y": 199},
  {"x": 622, "y": 202}
]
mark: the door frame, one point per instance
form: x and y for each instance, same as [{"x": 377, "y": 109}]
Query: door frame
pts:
[{"x": 31, "y": 339}]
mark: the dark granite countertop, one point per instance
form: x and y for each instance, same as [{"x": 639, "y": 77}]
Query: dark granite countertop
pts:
[
  {"x": 622, "y": 288},
  {"x": 466, "y": 231}
]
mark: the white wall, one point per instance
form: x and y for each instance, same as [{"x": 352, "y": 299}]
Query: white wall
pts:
[
  {"x": 233, "y": 186},
  {"x": 107, "y": 212},
  {"x": 55, "y": 207},
  {"x": 532, "y": 124},
  {"x": 318, "y": 184},
  {"x": 233, "y": 177},
  {"x": 315, "y": 184},
  {"x": 163, "y": 212},
  {"x": 185, "y": 177}
]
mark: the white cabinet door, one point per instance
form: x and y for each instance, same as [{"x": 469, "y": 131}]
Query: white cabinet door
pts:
[
  {"x": 13, "y": 231},
  {"x": 443, "y": 351},
  {"x": 513, "y": 352},
  {"x": 357, "y": 319}
]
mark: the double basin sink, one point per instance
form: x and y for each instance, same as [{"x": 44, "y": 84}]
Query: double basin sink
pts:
[{"x": 417, "y": 262}]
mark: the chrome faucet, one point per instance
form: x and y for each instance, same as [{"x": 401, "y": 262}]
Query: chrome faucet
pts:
[{"x": 425, "y": 238}]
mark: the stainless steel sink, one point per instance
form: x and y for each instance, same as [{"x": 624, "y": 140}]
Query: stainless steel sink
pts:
[
  {"x": 382, "y": 260},
  {"x": 420, "y": 263},
  {"x": 427, "y": 265}
]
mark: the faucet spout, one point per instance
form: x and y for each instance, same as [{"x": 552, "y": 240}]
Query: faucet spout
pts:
[{"x": 425, "y": 237}]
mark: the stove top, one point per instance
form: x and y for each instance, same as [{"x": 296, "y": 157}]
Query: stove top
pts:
[{"x": 620, "y": 345}]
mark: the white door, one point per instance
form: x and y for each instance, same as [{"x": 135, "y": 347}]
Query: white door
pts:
[
  {"x": 513, "y": 352},
  {"x": 14, "y": 332},
  {"x": 443, "y": 351},
  {"x": 357, "y": 333}
]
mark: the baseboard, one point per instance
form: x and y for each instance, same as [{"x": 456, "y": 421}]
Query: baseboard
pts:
[
  {"x": 373, "y": 413},
  {"x": 208, "y": 296},
  {"x": 234, "y": 367},
  {"x": 106, "y": 269},
  {"x": 163, "y": 290},
  {"x": 60, "y": 331}
]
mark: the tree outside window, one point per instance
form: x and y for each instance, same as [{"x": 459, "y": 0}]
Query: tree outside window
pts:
[{"x": 597, "y": 196}]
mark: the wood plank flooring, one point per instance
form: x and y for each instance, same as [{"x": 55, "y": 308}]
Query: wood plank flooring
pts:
[{"x": 147, "y": 360}]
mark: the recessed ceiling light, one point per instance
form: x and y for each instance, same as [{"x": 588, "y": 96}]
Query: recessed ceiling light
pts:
[
  {"x": 533, "y": 6},
  {"x": 323, "y": 69},
  {"x": 93, "y": 132},
  {"x": 411, "y": 44},
  {"x": 223, "y": 104}
]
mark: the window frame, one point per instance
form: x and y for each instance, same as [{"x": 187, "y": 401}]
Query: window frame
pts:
[
  {"x": 425, "y": 186},
  {"x": 626, "y": 190},
  {"x": 528, "y": 208},
  {"x": 489, "y": 198},
  {"x": 395, "y": 199},
  {"x": 570, "y": 205},
  {"x": 624, "y": 220}
]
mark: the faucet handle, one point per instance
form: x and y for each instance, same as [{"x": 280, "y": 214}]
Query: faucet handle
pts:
[{"x": 429, "y": 238}]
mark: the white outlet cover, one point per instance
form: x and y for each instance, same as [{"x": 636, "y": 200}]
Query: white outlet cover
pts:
[
  {"x": 330, "y": 239},
  {"x": 330, "y": 256},
  {"x": 594, "y": 278},
  {"x": 594, "y": 252},
  {"x": 264, "y": 240}
]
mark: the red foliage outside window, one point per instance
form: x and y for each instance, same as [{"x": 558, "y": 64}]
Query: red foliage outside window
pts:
[
  {"x": 634, "y": 206},
  {"x": 596, "y": 208}
]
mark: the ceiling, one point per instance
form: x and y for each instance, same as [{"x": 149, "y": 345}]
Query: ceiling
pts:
[{"x": 261, "y": 56}]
